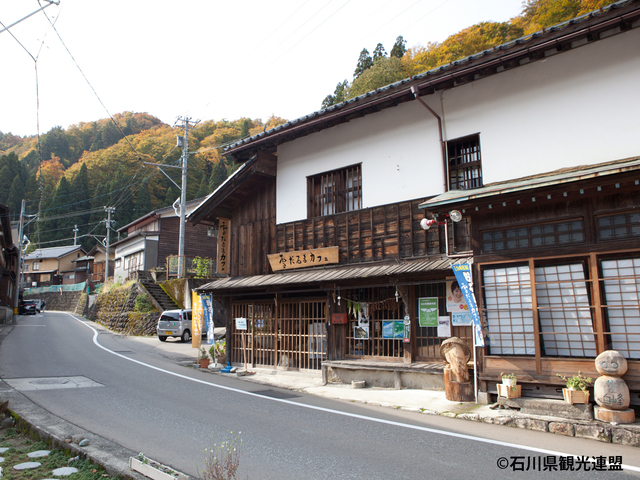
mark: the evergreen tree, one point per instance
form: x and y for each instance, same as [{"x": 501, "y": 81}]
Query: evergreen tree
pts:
[
  {"x": 379, "y": 52},
  {"x": 399, "y": 48},
  {"x": 81, "y": 197},
  {"x": 143, "y": 202},
  {"x": 246, "y": 127},
  {"x": 364, "y": 62},
  {"x": 55, "y": 144},
  {"x": 61, "y": 228},
  {"x": 170, "y": 197},
  {"x": 339, "y": 94},
  {"x": 218, "y": 176},
  {"x": 203, "y": 189},
  {"x": 16, "y": 194}
]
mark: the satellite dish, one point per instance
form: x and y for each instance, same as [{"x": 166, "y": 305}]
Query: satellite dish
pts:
[{"x": 455, "y": 215}]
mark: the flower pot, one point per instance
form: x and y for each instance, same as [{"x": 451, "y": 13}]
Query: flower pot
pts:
[
  {"x": 221, "y": 359},
  {"x": 204, "y": 362},
  {"x": 509, "y": 391},
  {"x": 575, "y": 396},
  {"x": 508, "y": 382}
]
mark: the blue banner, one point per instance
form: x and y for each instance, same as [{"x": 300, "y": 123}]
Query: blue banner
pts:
[
  {"x": 463, "y": 276},
  {"x": 207, "y": 306}
]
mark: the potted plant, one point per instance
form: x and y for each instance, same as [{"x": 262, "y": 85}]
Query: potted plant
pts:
[
  {"x": 218, "y": 351},
  {"x": 203, "y": 358},
  {"x": 509, "y": 379},
  {"x": 577, "y": 388},
  {"x": 509, "y": 387}
]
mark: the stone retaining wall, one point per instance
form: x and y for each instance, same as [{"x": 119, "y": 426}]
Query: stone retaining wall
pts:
[
  {"x": 61, "y": 301},
  {"x": 115, "y": 310}
]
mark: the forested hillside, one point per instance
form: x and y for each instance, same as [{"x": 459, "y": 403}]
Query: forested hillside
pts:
[
  {"x": 379, "y": 69},
  {"x": 67, "y": 177}
]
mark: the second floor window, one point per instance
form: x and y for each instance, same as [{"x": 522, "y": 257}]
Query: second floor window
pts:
[
  {"x": 334, "y": 192},
  {"x": 465, "y": 166},
  {"x": 36, "y": 265}
]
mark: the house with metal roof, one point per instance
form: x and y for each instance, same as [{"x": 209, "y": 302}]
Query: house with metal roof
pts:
[
  {"x": 341, "y": 231},
  {"x": 152, "y": 240},
  {"x": 50, "y": 266}
]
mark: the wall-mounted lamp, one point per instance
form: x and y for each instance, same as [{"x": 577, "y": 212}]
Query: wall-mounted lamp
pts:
[{"x": 454, "y": 215}]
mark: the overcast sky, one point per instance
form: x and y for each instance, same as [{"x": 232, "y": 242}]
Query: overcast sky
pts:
[{"x": 206, "y": 59}]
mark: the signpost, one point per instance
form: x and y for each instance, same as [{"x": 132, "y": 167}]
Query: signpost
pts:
[{"x": 241, "y": 324}]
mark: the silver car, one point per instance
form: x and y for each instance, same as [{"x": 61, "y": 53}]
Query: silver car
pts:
[{"x": 175, "y": 323}]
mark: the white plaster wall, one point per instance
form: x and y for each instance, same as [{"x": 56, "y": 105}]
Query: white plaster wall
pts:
[
  {"x": 398, "y": 149},
  {"x": 576, "y": 108}
]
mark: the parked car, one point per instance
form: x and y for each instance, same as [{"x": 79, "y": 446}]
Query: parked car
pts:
[
  {"x": 39, "y": 304},
  {"x": 27, "y": 307},
  {"x": 174, "y": 323}
]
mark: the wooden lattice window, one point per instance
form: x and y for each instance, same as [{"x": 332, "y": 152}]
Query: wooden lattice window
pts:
[
  {"x": 567, "y": 232},
  {"x": 334, "y": 192},
  {"x": 465, "y": 166},
  {"x": 619, "y": 225},
  {"x": 622, "y": 294}
]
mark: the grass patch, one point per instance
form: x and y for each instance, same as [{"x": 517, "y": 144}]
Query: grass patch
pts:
[{"x": 20, "y": 444}]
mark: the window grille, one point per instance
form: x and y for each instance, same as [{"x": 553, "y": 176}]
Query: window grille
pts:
[
  {"x": 530, "y": 236},
  {"x": 465, "y": 166},
  {"x": 622, "y": 294},
  {"x": 508, "y": 304},
  {"x": 564, "y": 311},
  {"x": 620, "y": 225},
  {"x": 335, "y": 192}
]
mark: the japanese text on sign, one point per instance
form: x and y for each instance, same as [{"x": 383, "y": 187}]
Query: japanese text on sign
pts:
[
  {"x": 303, "y": 258},
  {"x": 222, "y": 265}
]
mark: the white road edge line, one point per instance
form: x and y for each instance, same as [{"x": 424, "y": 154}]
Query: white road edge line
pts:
[{"x": 345, "y": 414}]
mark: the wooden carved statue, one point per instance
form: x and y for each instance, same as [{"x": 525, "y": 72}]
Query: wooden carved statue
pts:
[{"x": 455, "y": 352}]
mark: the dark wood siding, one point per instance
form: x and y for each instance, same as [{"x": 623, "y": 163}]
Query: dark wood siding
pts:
[
  {"x": 372, "y": 234},
  {"x": 253, "y": 229},
  {"x": 197, "y": 243}
]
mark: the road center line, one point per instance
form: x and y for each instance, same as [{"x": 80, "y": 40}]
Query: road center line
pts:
[{"x": 338, "y": 412}]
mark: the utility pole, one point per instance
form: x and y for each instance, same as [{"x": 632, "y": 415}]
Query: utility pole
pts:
[
  {"x": 75, "y": 235},
  {"x": 183, "y": 199},
  {"x": 19, "y": 276},
  {"x": 109, "y": 211}
]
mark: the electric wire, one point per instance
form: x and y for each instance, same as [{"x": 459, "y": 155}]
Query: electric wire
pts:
[{"x": 117, "y": 125}]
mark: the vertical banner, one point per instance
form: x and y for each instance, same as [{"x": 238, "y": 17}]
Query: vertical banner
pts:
[
  {"x": 197, "y": 314},
  {"x": 222, "y": 264},
  {"x": 463, "y": 276},
  {"x": 207, "y": 307}
]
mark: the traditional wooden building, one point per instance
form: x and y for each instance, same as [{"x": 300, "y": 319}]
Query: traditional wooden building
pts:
[
  {"x": 8, "y": 267},
  {"x": 322, "y": 222},
  {"x": 154, "y": 237},
  {"x": 557, "y": 266}
]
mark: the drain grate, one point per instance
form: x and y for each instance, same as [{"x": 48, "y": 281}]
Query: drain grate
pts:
[{"x": 278, "y": 395}]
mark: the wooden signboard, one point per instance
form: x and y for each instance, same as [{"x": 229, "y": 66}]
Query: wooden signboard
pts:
[
  {"x": 223, "y": 260},
  {"x": 303, "y": 258}
]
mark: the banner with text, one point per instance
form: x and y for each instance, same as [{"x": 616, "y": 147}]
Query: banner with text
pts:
[{"x": 463, "y": 276}]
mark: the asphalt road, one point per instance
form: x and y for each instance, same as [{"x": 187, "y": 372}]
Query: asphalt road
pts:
[{"x": 138, "y": 398}]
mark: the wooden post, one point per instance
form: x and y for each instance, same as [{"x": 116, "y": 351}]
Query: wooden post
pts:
[{"x": 244, "y": 350}]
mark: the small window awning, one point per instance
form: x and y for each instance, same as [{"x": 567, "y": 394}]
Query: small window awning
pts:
[
  {"x": 557, "y": 177},
  {"x": 335, "y": 274}
]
